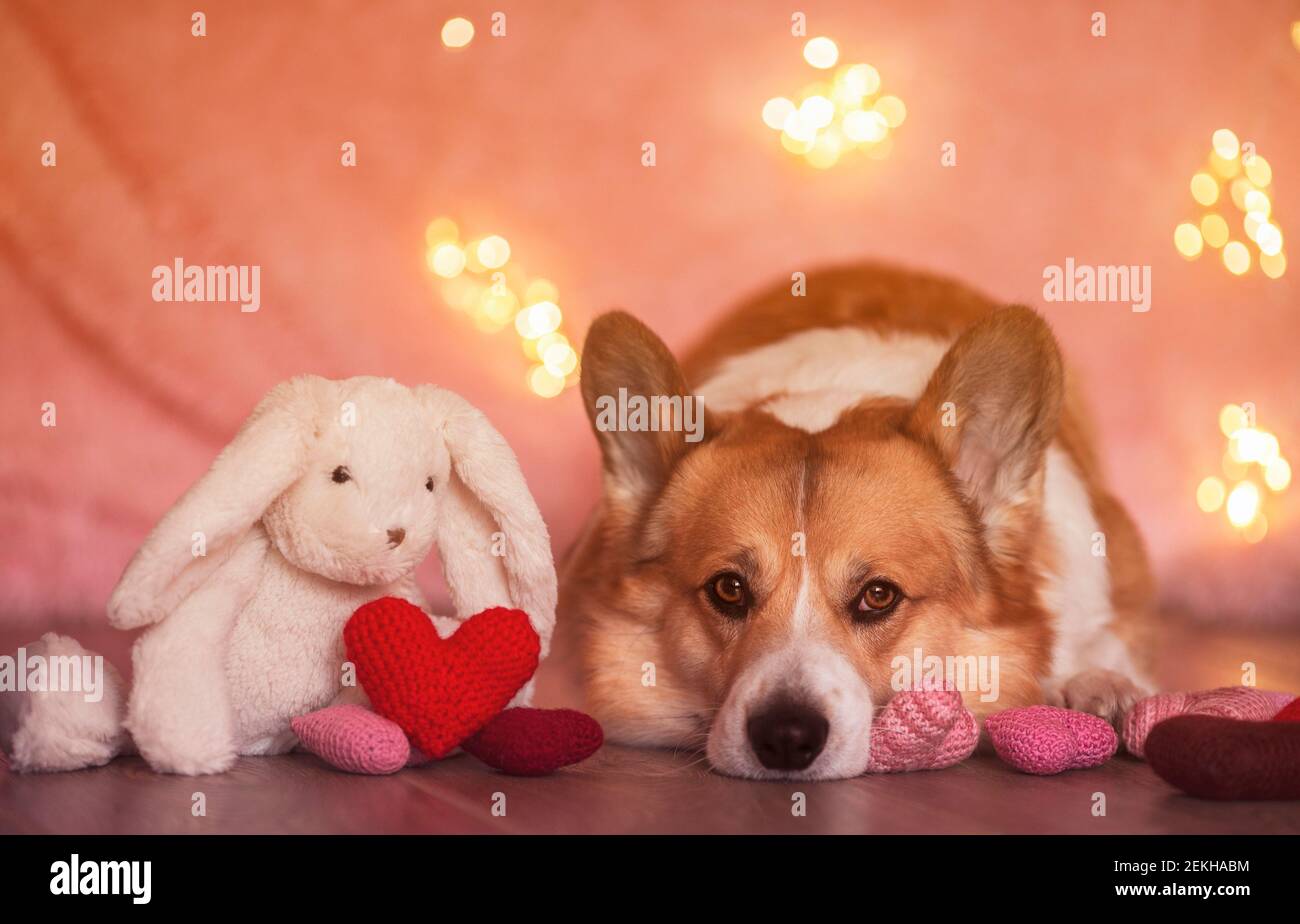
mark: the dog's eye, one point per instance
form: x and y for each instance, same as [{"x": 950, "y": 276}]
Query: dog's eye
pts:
[
  {"x": 428, "y": 485},
  {"x": 341, "y": 474},
  {"x": 878, "y": 598},
  {"x": 728, "y": 594}
]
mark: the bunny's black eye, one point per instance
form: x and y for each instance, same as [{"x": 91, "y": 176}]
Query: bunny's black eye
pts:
[
  {"x": 428, "y": 485},
  {"x": 341, "y": 474}
]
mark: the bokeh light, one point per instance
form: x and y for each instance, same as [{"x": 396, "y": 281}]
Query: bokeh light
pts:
[
  {"x": 1187, "y": 238},
  {"x": 1210, "y": 494},
  {"x": 1273, "y": 265},
  {"x": 1258, "y": 171},
  {"x": 493, "y": 251},
  {"x": 544, "y": 382},
  {"x": 1236, "y": 257},
  {"x": 1246, "y": 174},
  {"x": 1205, "y": 189},
  {"x": 776, "y": 111},
  {"x": 1214, "y": 229},
  {"x": 479, "y": 279},
  {"x": 836, "y": 115},
  {"x": 447, "y": 260},
  {"x": 457, "y": 33},
  {"x": 1277, "y": 474},
  {"x": 1225, "y": 144},
  {"x": 1243, "y": 504},
  {"x": 821, "y": 52},
  {"x": 1254, "y": 456}
]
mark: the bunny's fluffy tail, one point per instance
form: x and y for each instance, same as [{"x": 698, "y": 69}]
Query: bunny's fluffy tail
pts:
[{"x": 55, "y": 728}]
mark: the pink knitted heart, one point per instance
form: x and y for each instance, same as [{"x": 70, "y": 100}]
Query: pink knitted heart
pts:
[
  {"x": 1049, "y": 739},
  {"x": 1225, "y": 702},
  {"x": 354, "y": 739},
  {"x": 922, "y": 730}
]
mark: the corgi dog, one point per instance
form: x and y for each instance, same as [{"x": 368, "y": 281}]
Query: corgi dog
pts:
[{"x": 889, "y": 468}]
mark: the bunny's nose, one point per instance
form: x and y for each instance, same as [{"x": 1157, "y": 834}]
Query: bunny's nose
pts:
[{"x": 395, "y": 536}]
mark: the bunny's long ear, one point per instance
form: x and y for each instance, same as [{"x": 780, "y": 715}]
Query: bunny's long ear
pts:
[
  {"x": 493, "y": 542},
  {"x": 267, "y": 455}
]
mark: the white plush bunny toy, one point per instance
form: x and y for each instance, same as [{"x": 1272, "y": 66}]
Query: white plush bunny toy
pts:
[{"x": 328, "y": 497}]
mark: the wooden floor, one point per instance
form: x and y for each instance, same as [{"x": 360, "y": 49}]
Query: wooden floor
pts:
[{"x": 623, "y": 790}]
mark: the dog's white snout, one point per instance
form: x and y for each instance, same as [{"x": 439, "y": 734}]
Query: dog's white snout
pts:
[{"x": 801, "y": 712}]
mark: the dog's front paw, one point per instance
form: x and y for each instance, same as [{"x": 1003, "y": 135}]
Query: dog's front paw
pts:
[{"x": 1100, "y": 692}]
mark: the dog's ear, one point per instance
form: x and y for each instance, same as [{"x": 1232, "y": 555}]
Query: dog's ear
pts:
[
  {"x": 624, "y": 365},
  {"x": 991, "y": 409}
]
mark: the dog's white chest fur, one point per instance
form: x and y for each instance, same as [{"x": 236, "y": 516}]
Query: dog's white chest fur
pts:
[{"x": 809, "y": 379}]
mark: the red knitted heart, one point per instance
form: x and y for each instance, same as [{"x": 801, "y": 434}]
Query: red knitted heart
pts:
[{"x": 439, "y": 691}]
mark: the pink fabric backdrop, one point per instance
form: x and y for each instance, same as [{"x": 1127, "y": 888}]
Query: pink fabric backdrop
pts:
[{"x": 225, "y": 149}]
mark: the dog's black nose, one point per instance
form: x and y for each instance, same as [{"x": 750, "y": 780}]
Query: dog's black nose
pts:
[
  {"x": 395, "y": 537},
  {"x": 787, "y": 735}
]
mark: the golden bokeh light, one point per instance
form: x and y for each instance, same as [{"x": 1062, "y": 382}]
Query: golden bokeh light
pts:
[
  {"x": 835, "y": 115},
  {"x": 545, "y": 383},
  {"x": 1253, "y": 455},
  {"x": 1277, "y": 474},
  {"x": 1256, "y": 201},
  {"x": 493, "y": 251},
  {"x": 1205, "y": 189},
  {"x": 1243, "y": 504},
  {"x": 1227, "y": 169},
  {"x": 447, "y": 260},
  {"x": 776, "y": 111},
  {"x": 817, "y": 112},
  {"x": 1239, "y": 189},
  {"x": 1210, "y": 494},
  {"x": 1247, "y": 445},
  {"x": 799, "y": 127},
  {"x": 1225, "y": 143},
  {"x": 559, "y": 359},
  {"x": 538, "y": 320},
  {"x": 441, "y": 231},
  {"x": 1232, "y": 418},
  {"x": 1250, "y": 224},
  {"x": 1269, "y": 239},
  {"x": 480, "y": 279},
  {"x": 795, "y": 145},
  {"x": 457, "y": 33},
  {"x": 826, "y": 150},
  {"x": 1259, "y": 171},
  {"x": 1214, "y": 229},
  {"x": 892, "y": 108},
  {"x": 1187, "y": 238},
  {"x": 821, "y": 52},
  {"x": 1236, "y": 257},
  {"x": 860, "y": 80},
  {"x": 1273, "y": 266},
  {"x": 541, "y": 289},
  {"x": 865, "y": 127}
]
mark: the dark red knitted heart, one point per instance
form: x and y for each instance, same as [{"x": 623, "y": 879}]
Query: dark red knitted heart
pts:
[
  {"x": 535, "y": 742},
  {"x": 1290, "y": 712},
  {"x": 1217, "y": 758},
  {"x": 439, "y": 691}
]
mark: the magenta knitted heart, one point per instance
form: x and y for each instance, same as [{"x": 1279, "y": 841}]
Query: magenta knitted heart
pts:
[{"x": 1048, "y": 739}]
